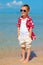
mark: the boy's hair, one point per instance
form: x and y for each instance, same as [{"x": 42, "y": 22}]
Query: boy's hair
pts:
[{"x": 26, "y": 6}]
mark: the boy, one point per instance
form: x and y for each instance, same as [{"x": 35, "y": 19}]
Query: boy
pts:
[{"x": 25, "y": 34}]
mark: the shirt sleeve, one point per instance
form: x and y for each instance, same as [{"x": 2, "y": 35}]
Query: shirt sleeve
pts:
[
  {"x": 31, "y": 24},
  {"x": 18, "y": 23}
]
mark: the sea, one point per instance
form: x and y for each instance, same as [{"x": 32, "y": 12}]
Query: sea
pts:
[{"x": 8, "y": 30}]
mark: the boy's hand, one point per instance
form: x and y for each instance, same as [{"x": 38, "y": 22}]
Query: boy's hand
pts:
[
  {"x": 30, "y": 34},
  {"x": 18, "y": 37},
  {"x": 18, "y": 32}
]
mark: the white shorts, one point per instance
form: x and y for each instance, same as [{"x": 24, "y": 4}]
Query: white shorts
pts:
[{"x": 25, "y": 41}]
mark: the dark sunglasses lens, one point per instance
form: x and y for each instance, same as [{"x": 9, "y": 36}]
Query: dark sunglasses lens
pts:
[
  {"x": 24, "y": 10},
  {"x": 21, "y": 10}
]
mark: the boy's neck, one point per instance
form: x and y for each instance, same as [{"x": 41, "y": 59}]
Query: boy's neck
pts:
[{"x": 24, "y": 17}]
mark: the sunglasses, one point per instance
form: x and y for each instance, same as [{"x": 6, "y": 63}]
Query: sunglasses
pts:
[{"x": 22, "y": 10}]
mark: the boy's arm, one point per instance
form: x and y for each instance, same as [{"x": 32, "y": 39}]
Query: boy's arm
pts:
[
  {"x": 30, "y": 33},
  {"x": 18, "y": 31}
]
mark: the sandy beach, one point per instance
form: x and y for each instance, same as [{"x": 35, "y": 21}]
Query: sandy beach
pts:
[{"x": 9, "y": 56}]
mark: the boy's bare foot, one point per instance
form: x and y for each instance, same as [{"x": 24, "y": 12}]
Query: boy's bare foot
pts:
[
  {"x": 25, "y": 61},
  {"x": 22, "y": 59}
]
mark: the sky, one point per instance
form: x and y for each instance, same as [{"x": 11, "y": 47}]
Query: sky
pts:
[{"x": 13, "y": 6}]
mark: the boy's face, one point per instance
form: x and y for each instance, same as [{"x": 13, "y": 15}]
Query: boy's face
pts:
[{"x": 24, "y": 11}]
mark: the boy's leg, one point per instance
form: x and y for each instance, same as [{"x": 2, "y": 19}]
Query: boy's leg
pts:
[
  {"x": 28, "y": 46},
  {"x": 23, "y": 50},
  {"x": 23, "y": 54},
  {"x": 28, "y": 55}
]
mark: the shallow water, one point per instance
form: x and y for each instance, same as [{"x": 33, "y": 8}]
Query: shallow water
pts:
[{"x": 8, "y": 30}]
